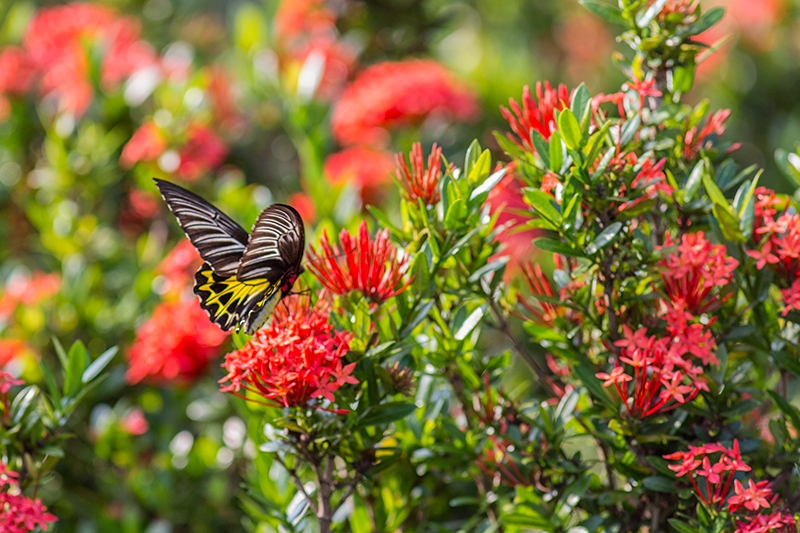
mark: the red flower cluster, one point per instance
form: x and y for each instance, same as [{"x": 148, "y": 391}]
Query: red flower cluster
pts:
[
  {"x": 391, "y": 94},
  {"x": 199, "y": 152},
  {"x": 56, "y": 46},
  {"x": 779, "y": 245},
  {"x": 359, "y": 264},
  {"x": 16, "y": 76},
  {"x": 18, "y": 513},
  {"x": 11, "y": 349},
  {"x": 717, "y": 465},
  {"x": 651, "y": 178},
  {"x": 419, "y": 182},
  {"x": 697, "y": 463},
  {"x": 692, "y": 272},
  {"x": 366, "y": 168},
  {"x": 296, "y": 358},
  {"x": 708, "y": 136},
  {"x": 175, "y": 345},
  {"x": 27, "y": 289},
  {"x": 662, "y": 377},
  {"x": 537, "y": 114}
]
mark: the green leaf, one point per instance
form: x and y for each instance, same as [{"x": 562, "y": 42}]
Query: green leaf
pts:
[
  {"x": 456, "y": 212},
  {"x": 422, "y": 312},
  {"x": 384, "y": 221},
  {"x": 683, "y": 79},
  {"x": 465, "y": 328},
  {"x": 543, "y": 333},
  {"x": 508, "y": 146},
  {"x": 581, "y": 103},
  {"x": 595, "y": 144},
  {"x": 606, "y": 12},
  {"x": 493, "y": 266},
  {"x": 558, "y": 247},
  {"x": 680, "y": 527},
  {"x": 695, "y": 178},
  {"x": 728, "y": 223},
  {"x": 556, "y": 153},
  {"x": 422, "y": 276},
  {"x": 644, "y": 18},
  {"x": 97, "y": 366},
  {"x": 487, "y": 185},
  {"x": 480, "y": 168},
  {"x": 789, "y": 164},
  {"x": 748, "y": 208},
  {"x": 76, "y": 365},
  {"x": 604, "y": 238},
  {"x": 788, "y": 362},
  {"x": 714, "y": 192},
  {"x": 472, "y": 156},
  {"x": 544, "y": 205},
  {"x": 385, "y": 413},
  {"x": 786, "y": 408},
  {"x": 659, "y": 484},
  {"x": 708, "y": 19},
  {"x": 570, "y": 129},
  {"x": 542, "y": 147},
  {"x": 62, "y": 355}
]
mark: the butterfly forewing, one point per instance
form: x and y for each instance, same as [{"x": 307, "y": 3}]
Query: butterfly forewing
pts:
[
  {"x": 220, "y": 241},
  {"x": 275, "y": 246}
]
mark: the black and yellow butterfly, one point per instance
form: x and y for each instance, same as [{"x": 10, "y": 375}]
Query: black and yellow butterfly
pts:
[{"x": 244, "y": 276}]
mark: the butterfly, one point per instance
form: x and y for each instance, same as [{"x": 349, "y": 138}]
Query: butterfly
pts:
[{"x": 244, "y": 275}]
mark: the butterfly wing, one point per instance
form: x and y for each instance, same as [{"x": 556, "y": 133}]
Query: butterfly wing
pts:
[
  {"x": 275, "y": 247},
  {"x": 220, "y": 241},
  {"x": 230, "y": 301}
]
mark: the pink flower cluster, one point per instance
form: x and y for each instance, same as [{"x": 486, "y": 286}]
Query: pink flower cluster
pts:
[
  {"x": 711, "y": 469},
  {"x": 18, "y": 513}
]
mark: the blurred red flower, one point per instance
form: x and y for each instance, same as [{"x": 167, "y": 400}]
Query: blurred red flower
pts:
[
  {"x": 146, "y": 144},
  {"x": 537, "y": 114},
  {"x": 57, "y": 39},
  {"x": 174, "y": 345},
  {"x": 392, "y": 94},
  {"x": 365, "y": 168},
  {"x": 295, "y": 358},
  {"x": 134, "y": 422},
  {"x": 709, "y": 135},
  {"x": 202, "y": 152},
  {"x": 507, "y": 202},
  {"x": 179, "y": 266},
  {"x": 419, "y": 182},
  {"x": 11, "y": 349},
  {"x": 297, "y": 18},
  {"x": 27, "y": 289},
  {"x": 18, "y": 513},
  {"x": 16, "y": 71},
  {"x": 304, "y": 205},
  {"x": 777, "y": 522},
  {"x": 360, "y": 264}
]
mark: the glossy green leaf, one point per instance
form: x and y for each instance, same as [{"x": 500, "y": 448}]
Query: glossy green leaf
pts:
[
  {"x": 604, "y": 238},
  {"x": 98, "y": 365},
  {"x": 385, "y": 413},
  {"x": 570, "y": 129}
]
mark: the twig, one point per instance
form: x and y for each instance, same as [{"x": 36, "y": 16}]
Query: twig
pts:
[{"x": 298, "y": 482}]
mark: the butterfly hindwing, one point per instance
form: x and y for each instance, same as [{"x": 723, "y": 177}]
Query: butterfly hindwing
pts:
[
  {"x": 275, "y": 246},
  {"x": 220, "y": 241},
  {"x": 230, "y": 301}
]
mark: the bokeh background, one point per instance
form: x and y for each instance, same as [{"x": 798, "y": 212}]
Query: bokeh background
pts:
[{"x": 238, "y": 101}]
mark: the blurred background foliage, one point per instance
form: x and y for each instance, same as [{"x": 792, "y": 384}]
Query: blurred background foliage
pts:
[{"x": 86, "y": 243}]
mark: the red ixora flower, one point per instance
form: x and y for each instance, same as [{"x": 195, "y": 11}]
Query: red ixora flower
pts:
[
  {"x": 537, "y": 114},
  {"x": 179, "y": 266},
  {"x": 203, "y": 151},
  {"x": 391, "y": 94},
  {"x": 175, "y": 345},
  {"x": 18, "y": 513},
  {"x": 359, "y": 264},
  {"x": 366, "y": 168},
  {"x": 694, "y": 270},
  {"x": 146, "y": 144},
  {"x": 296, "y": 358},
  {"x": 703, "y": 462},
  {"x": 56, "y": 42},
  {"x": 708, "y": 137},
  {"x": 419, "y": 182},
  {"x": 777, "y": 522},
  {"x": 754, "y": 497}
]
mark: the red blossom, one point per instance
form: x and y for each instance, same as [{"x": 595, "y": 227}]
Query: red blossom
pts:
[
  {"x": 297, "y": 18},
  {"x": 692, "y": 273},
  {"x": 543, "y": 312},
  {"x": 134, "y": 423},
  {"x": 10, "y": 350},
  {"x": 365, "y": 168},
  {"x": 18, "y": 513},
  {"x": 146, "y": 144},
  {"x": 791, "y": 298},
  {"x": 371, "y": 267},
  {"x": 776, "y": 522},
  {"x": 304, "y": 205},
  {"x": 754, "y": 497},
  {"x": 711, "y": 475},
  {"x": 202, "y": 152},
  {"x": 708, "y": 137},
  {"x": 506, "y": 201},
  {"x": 16, "y": 71},
  {"x": 654, "y": 379},
  {"x": 175, "y": 345},
  {"x": 56, "y": 41},
  {"x": 535, "y": 114},
  {"x": 27, "y": 290},
  {"x": 644, "y": 88},
  {"x": 179, "y": 266},
  {"x": 392, "y": 94},
  {"x": 420, "y": 182},
  {"x": 295, "y": 358}
]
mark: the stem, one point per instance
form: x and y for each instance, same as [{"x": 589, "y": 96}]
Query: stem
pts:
[
  {"x": 298, "y": 482},
  {"x": 324, "y": 506}
]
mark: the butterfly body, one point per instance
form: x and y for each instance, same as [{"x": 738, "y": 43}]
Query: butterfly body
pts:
[{"x": 244, "y": 275}]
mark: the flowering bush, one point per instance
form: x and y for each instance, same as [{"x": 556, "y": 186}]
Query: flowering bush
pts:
[{"x": 590, "y": 325}]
